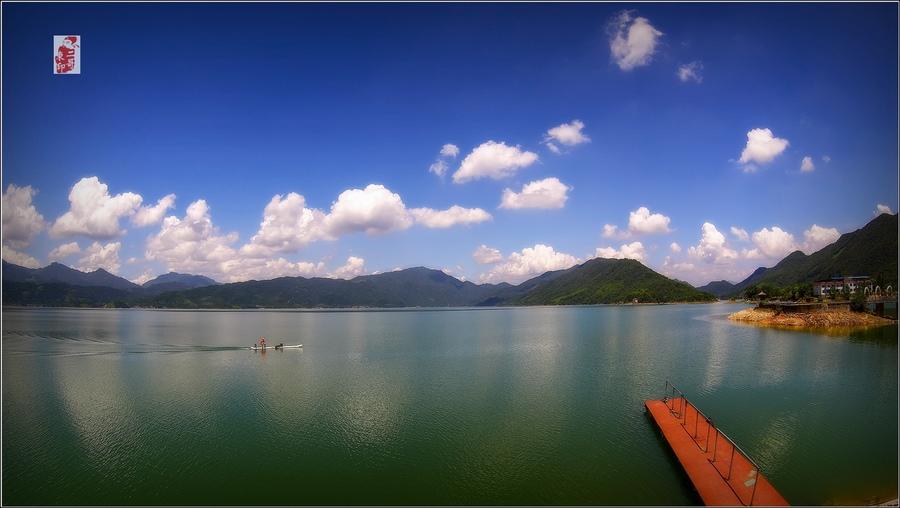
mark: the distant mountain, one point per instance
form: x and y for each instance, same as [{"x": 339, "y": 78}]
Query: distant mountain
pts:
[
  {"x": 719, "y": 288},
  {"x": 173, "y": 281},
  {"x": 596, "y": 281},
  {"x": 871, "y": 250},
  {"x": 56, "y": 272},
  {"x": 413, "y": 287},
  {"x": 58, "y": 294},
  {"x": 611, "y": 281}
]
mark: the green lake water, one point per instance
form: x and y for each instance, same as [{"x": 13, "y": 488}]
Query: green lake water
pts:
[{"x": 462, "y": 406}]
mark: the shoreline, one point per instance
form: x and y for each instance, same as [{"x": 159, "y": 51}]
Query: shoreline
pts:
[
  {"x": 815, "y": 320},
  {"x": 361, "y": 309}
]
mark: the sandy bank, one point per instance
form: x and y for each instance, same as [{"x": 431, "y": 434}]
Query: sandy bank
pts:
[{"x": 816, "y": 319}]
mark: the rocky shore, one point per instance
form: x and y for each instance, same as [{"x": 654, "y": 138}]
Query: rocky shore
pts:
[{"x": 831, "y": 318}]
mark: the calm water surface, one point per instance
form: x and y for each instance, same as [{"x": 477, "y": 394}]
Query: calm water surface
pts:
[{"x": 488, "y": 406}]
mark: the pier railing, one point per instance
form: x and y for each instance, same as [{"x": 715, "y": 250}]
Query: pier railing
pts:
[{"x": 733, "y": 464}]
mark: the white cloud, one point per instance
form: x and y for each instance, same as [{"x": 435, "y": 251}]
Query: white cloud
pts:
[
  {"x": 287, "y": 226},
  {"x": 553, "y": 148},
  {"x": 485, "y": 255},
  {"x": 438, "y": 167},
  {"x": 826, "y": 159},
  {"x": 94, "y": 212},
  {"x": 633, "y": 250},
  {"x": 449, "y": 150},
  {"x": 568, "y": 134},
  {"x": 101, "y": 256},
  {"x": 740, "y": 234},
  {"x": 772, "y": 243},
  {"x": 632, "y": 41},
  {"x": 691, "y": 72},
  {"x": 63, "y": 251},
  {"x": 15, "y": 257},
  {"x": 21, "y": 220},
  {"x": 353, "y": 267},
  {"x": 807, "y": 165},
  {"x": 431, "y": 218},
  {"x": 493, "y": 160},
  {"x": 546, "y": 194},
  {"x": 374, "y": 210},
  {"x": 762, "y": 147},
  {"x": 531, "y": 261},
  {"x": 712, "y": 247},
  {"x": 610, "y": 231},
  {"x": 817, "y": 237},
  {"x": 148, "y": 215},
  {"x": 643, "y": 222},
  {"x": 244, "y": 268},
  {"x": 880, "y": 209},
  {"x": 674, "y": 247},
  {"x": 192, "y": 244},
  {"x": 142, "y": 278}
]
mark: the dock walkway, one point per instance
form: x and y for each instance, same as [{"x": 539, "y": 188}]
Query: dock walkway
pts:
[{"x": 722, "y": 474}]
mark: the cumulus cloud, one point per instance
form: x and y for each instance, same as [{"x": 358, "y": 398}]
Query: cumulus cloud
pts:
[
  {"x": 531, "y": 261},
  {"x": 880, "y": 209},
  {"x": 245, "y": 268},
  {"x": 493, "y": 160},
  {"x": 691, "y": 72},
  {"x": 374, "y": 210},
  {"x": 63, "y": 251},
  {"x": 806, "y": 165},
  {"x": 546, "y": 194},
  {"x": 15, "y": 257},
  {"x": 762, "y": 147},
  {"x": 568, "y": 134},
  {"x": 712, "y": 247},
  {"x": 817, "y": 237},
  {"x": 641, "y": 221},
  {"x": 142, "y": 278},
  {"x": 438, "y": 167},
  {"x": 21, "y": 220},
  {"x": 147, "y": 215},
  {"x": 455, "y": 215},
  {"x": 674, "y": 247},
  {"x": 192, "y": 244},
  {"x": 94, "y": 212},
  {"x": 287, "y": 225},
  {"x": 99, "y": 256},
  {"x": 611, "y": 231},
  {"x": 740, "y": 234},
  {"x": 632, "y": 40},
  {"x": 485, "y": 255},
  {"x": 633, "y": 250},
  {"x": 449, "y": 150},
  {"x": 772, "y": 243},
  {"x": 353, "y": 267}
]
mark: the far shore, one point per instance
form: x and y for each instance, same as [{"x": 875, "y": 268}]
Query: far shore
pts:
[
  {"x": 349, "y": 309},
  {"x": 829, "y": 318}
]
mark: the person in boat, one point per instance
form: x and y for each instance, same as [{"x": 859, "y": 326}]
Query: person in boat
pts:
[{"x": 262, "y": 342}]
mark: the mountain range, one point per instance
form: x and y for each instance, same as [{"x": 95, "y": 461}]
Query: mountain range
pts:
[
  {"x": 870, "y": 250},
  {"x": 593, "y": 282}
]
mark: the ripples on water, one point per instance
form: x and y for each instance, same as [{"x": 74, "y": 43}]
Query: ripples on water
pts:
[{"x": 494, "y": 406}]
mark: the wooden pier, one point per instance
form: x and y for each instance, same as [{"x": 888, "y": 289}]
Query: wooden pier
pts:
[{"x": 722, "y": 474}]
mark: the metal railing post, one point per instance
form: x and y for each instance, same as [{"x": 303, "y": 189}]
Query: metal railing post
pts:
[
  {"x": 706, "y": 446},
  {"x": 716, "y": 447},
  {"x": 696, "y": 421}
]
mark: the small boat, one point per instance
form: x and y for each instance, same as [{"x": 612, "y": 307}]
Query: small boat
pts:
[{"x": 257, "y": 348}]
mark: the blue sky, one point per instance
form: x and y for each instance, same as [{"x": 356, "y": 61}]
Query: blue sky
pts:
[{"x": 235, "y": 104}]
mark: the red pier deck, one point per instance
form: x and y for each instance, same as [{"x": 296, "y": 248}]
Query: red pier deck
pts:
[{"x": 721, "y": 473}]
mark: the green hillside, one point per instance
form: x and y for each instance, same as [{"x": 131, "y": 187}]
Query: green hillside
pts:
[
  {"x": 871, "y": 250},
  {"x": 611, "y": 281}
]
